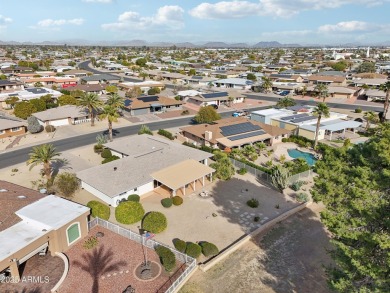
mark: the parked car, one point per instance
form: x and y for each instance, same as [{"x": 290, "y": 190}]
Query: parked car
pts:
[
  {"x": 284, "y": 93},
  {"x": 240, "y": 113}
]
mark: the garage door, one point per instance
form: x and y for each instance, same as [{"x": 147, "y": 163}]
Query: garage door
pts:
[
  {"x": 141, "y": 111},
  {"x": 32, "y": 253},
  {"x": 59, "y": 122}
]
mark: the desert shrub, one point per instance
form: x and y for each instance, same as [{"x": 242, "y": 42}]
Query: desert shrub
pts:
[
  {"x": 67, "y": 184},
  {"x": 297, "y": 185},
  {"x": 133, "y": 197},
  {"x": 50, "y": 128},
  {"x": 180, "y": 245},
  {"x": 154, "y": 222},
  {"x": 166, "y": 133},
  {"x": 302, "y": 197},
  {"x": 145, "y": 130},
  {"x": 129, "y": 212},
  {"x": 106, "y": 153},
  {"x": 166, "y": 202},
  {"x": 358, "y": 110},
  {"x": 209, "y": 249},
  {"x": 110, "y": 159},
  {"x": 299, "y": 140},
  {"x": 242, "y": 171},
  {"x": 167, "y": 258},
  {"x": 99, "y": 210},
  {"x": 177, "y": 200},
  {"x": 98, "y": 148},
  {"x": 256, "y": 218},
  {"x": 193, "y": 250},
  {"x": 253, "y": 203},
  {"x": 15, "y": 170},
  {"x": 185, "y": 112},
  {"x": 91, "y": 242},
  {"x": 296, "y": 166}
]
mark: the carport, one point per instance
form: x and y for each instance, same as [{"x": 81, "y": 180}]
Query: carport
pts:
[
  {"x": 183, "y": 175},
  {"x": 339, "y": 125}
]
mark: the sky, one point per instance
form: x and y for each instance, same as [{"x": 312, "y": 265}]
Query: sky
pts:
[{"x": 250, "y": 21}]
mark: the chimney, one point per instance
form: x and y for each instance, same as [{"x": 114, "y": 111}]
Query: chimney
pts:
[{"x": 208, "y": 135}]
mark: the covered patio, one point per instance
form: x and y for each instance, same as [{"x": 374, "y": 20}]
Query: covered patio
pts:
[
  {"x": 184, "y": 175},
  {"x": 339, "y": 126}
]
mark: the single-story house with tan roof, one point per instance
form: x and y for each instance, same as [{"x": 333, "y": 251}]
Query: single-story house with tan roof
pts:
[
  {"x": 143, "y": 85},
  {"x": 233, "y": 132},
  {"x": 62, "y": 115},
  {"x": 32, "y": 223},
  {"x": 151, "y": 104},
  {"x": 216, "y": 98},
  {"x": 327, "y": 79},
  {"x": 88, "y": 88},
  {"x": 11, "y": 127},
  {"x": 338, "y": 91}
]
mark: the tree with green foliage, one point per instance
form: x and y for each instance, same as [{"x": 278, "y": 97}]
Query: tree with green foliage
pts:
[
  {"x": 111, "y": 89},
  {"x": 192, "y": 72},
  {"x": 207, "y": 114},
  {"x": 3, "y": 77},
  {"x": 39, "y": 104},
  {"x": 340, "y": 65},
  {"x": 144, "y": 75},
  {"x": 111, "y": 113},
  {"x": 304, "y": 91},
  {"x": 370, "y": 117},
  {"x": 67, "y": 184},
  {"x": 38, "y": 84},
  {"x": 354, "y": 185},
  {"x": 224, "y": 169},
  {"x": 285, "y": 102},
  {"x": 145, "y": 130},
  {"x": 321, "y": 110},
  {"x": 141, "y": 62},
  {"x": 266, "y": 84},
  {"x": 251, "y": 76},
  {"x": 45, "y": 155},
  {"x": 92, "y": 102},
  {"x": 67, "y": 100},
  {"x": 321, "y": 91},
  {"x": 386, "y": 88},
  {"x": 11, "y": 101},
  {"x": 24, "y": 110},
  {"x": 366, "y": 67}
]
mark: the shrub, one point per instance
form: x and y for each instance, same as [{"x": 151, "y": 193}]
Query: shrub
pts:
[
  {"x": 193, "y": 250},
  {"x": 253, "y": 203},
  {"x": 297, "y": 185},
  {"x": 91, "y": 242},
  {"x": 166, "y": 202},
  {"x": 180, "y": 245},
  {"x": 302, "y": 197},
  {"x": 167, "y": 258},
  {"x": 177, "y": 200},
  {"x": 98, "y": 148},
  {"x": 106, "y": 153},
  {"x": 133, "y": 197},
  {"x": 256, "y": 219},
  {"x": 209, "y": 249},
  {"x": 99, "y": 210},
  {"x": 110, "y": 159},
  {"x": 166, "y": 133},
  {"x": 154, "y": 222},
  {"x": 67, "y": 184},
  {"x": 185, "y": 112},
  {"x": 15, "y": 170},
  {"x": 129, "y": 212},
  {"x": 358, "y": 110},
  {"x": 145, "y": 130},
  {"x": 242, "y": 171},
  {"x": 50, "y": 128}
]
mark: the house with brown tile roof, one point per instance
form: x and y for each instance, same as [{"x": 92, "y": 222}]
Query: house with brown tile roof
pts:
[
  {"x": 233, "y": 132},
  {"x": 88, "y": 88},
  {"x": 327, "y": 79},
  {"x": 151, "y": 104}
]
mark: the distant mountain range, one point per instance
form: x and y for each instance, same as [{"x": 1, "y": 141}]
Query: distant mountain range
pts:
[{"x": 140, "y": 43}]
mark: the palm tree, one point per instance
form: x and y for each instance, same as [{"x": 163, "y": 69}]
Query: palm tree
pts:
[
  {"x": 267, "y": 84},
  {"x": 144, "y": 75},
  {"x": 115, "y": 100},
  {"x": 304, "y": 91},
  {"x": 322, "y": 91},
  {"x": 321, "y": 110},
  {"x": 386, "y": 88},
  {"x": 111, "y": 113},
  {"x": 92, "y": 102},
  {"x": 44, "y": 154},
  {"x": 371, "y": 117}
]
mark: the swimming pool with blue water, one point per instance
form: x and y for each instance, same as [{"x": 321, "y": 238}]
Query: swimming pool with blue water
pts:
[{"x": 294, "y": 153}]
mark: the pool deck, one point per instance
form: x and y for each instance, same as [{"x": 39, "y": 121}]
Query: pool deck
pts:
[{"x": 282, "y": 149}]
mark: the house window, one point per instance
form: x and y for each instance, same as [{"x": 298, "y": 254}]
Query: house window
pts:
[
  {"x": 73, "y": 233},
  {"x": 13, "y": 129},
  {"x": 2, "y": 131}
]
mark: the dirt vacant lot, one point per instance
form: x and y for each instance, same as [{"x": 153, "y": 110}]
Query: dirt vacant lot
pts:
[{"x": 289, "y": 258}]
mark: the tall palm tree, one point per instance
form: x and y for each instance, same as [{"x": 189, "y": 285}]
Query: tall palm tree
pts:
[
  {"x": 144, "y": 75},
  {"x": 46, "y": 155},
  {"x": 321, "y": 110},
  {"x": 267, "y": 84},
  {"x": 304, "y": 91},
  {"x": 322, "y": 91},
  {"x": 112, "y": 115},
  {"x": 92, "y": 102},
  {"x": 386, "y": 88},
  {"x": 370, "y": 117},
  {"x": 115, "y": 100}
]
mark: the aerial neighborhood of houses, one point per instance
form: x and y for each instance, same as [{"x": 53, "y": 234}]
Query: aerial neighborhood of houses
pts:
[{"x": 134, "y": 169}]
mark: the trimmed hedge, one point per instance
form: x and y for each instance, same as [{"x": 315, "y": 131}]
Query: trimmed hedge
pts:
[
  {"x": 167, "y": 258},
  {"x": 133, "y": 197},
  {"x": 166, "y": 133},
  {"x": 194, "y": 250},
  {"x": 177, "y": 200},
  {"x": 129, "y": 212},
  {"x": 242, "y": 171},
  {"x": 110, "y": 159},
  {"x": 106, "y": 153},
  {"x": 166, "y": 202},
  {"x": 209, "y": 249},
  {"x": 99, "y": 210},
  {"x": 154, "y": 222},
  {"x": 180, "y": 245}
]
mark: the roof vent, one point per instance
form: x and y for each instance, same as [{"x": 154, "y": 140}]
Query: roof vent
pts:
[
  {"x": 115, "y": 168},
  {"x": 22, "y": 196},
  {"x": 3, "y": 190}
]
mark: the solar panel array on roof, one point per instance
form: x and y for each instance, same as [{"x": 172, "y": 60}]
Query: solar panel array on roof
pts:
[
  {"x": 303, "y": 119},
  {"x": 239, "y": 128},
  {"x": 215, "y": 95},
  {"x": 246, "y": 135},
  {"x": 295, "y": 116},
  {"x": 128, "y": 102},
  {"x": 148, "y": 99}
]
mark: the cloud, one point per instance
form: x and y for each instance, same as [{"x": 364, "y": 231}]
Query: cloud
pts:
[
  {"x": 280, "y": 8},
  {"x": 98, "y": 1},
  {"x": 285, "y": 34},
  {"x": 168, "y": 17},
  {"x": 59, "y": 22},
  {"x": 354, "y": 26},
  {"x": 4, "y": 21}
]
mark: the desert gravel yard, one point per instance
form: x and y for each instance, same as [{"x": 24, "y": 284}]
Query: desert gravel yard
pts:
[{"x": 289, "y": 258}]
